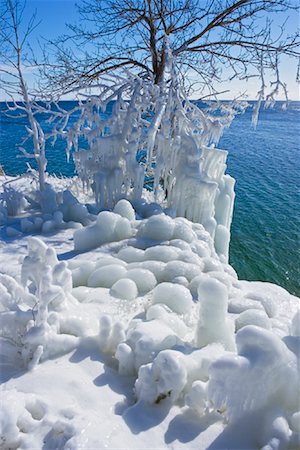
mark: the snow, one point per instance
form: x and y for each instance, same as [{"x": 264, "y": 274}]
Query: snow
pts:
[{"x": 134, "y": 331}]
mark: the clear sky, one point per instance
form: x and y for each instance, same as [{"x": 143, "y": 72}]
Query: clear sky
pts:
[{"x": 53, "y": 15}]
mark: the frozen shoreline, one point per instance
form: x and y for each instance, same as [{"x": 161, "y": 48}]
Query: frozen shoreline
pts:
[{"x": 157, "y": 341}]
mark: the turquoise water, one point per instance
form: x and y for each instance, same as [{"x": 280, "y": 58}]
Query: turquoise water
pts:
[{"x": 266, "y": 164}]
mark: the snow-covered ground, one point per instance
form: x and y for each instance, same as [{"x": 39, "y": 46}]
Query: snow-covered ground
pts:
[{"x": 124, "y": 329}]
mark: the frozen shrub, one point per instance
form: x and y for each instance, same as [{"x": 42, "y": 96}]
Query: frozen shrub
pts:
[
  {"x": 14, "y": 200},
  {"x": 175, "y": 296}
]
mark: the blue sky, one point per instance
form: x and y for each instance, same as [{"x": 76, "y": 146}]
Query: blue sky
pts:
[{"x": 53, "y": 15}]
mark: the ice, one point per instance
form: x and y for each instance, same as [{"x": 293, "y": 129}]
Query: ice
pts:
[
  {"x": 183, "y": 231},
  {"x": 143, "y": 278},
  {"x": 125, "y": 289},
  {"x": 131, "y": 254},
  {"x": 111, "y": 334},
  {"x": 201, "y": 248},
  {"x": 173, "y": 349},
  {"x": 172, "y": 373},
  {"x": 147, "y": 339},
  {"x": 123, "y": 229},
  {"x": 171, "y": 376},
  {"x": 180, "y": 244},
  {"x": 125, "y": 209},
  {"x": 125, "y": 357},
  {"x": 158, "y": 228},
  {"x": 106, "y": 276},
  {"x": 212, "y": 265},
  {"x": 71, "y": 209},
  {"x": 156, "y": 267},
  {"x": 107, "y": 260},
  {"x": 296, "y": 324},
  {"x": 81, "y": 273},
  {"x": 167, "y": 316},
  {"x": 214, "y": 326},
  {"x": 13, "y": 232},
  {"x": 196, "y": 399},
  {"x": 161, "y": 253},
  {"x": 253, "y": 317},
  {"x": 177, "y": 297},
  {"x": 263, "y": 375},
  {"x": 175, "y": 269},
  {"x": 295, "y": 422},
  {"x": 109, "y": 227},
  {"x": 48, "y": 226},
  {"x": 14, "y": 201}
]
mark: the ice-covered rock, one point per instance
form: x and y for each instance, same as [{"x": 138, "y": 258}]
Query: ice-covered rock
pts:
[
  {"x": 143, "y": 278},
  {"x": 253, "y": 317},
  {"x": 263, "y": 375},
  {"x": 147, "y": 339},
  {"x": 214, "y": 326},
  {"x": 172, "y": 373},
  {"x": 108, "y": 227},
  {"x": 106, "y": 276},
  {"x": 124, "y": 209},
  {"x": 131, "y": 254},
  {"x": 177, "y": 297},
  {"x": 157, "y": 228},
  {"x": 125, "y": 289}
]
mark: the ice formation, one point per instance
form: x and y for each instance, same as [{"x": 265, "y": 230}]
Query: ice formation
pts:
[
  {"x": 158, "y": 135},
  {"x": 214, "y": 325},
  {"x": 109, "y": 227},
  {"x": 149, "y": 296}
]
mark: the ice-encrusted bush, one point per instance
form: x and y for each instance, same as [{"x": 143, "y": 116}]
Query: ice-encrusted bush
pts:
[
  {"x": 29, "y": 310},
  {"x": 13, "y": 201}
]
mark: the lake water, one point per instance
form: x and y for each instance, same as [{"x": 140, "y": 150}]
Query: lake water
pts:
[{"x": 265, "y": 162}]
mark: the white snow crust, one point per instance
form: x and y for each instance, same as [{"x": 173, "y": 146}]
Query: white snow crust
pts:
[{"x": 133, "y": 331}]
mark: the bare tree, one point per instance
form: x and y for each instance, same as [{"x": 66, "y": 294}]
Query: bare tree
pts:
[
  {"x": 14, "y": 64},
  {"x": 219, "y": 39}
]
